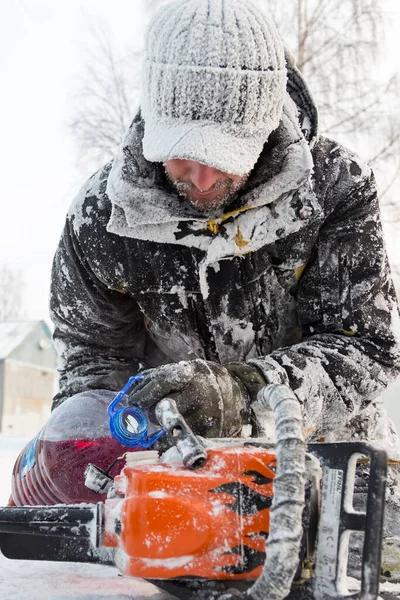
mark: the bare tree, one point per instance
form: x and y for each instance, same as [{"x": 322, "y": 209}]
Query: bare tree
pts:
[
  {"x": 11, "y": 287},
  {"x": 106, "y": 100},
  {"x": 108, "y": 95},
  {"x": 336, "y": 44}
]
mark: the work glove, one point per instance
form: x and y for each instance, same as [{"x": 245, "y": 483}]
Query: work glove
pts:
[
  {"x": 213, "y": 402},
  {"x": 251, "y": 377},
  {"x": 262, "y": 419}
]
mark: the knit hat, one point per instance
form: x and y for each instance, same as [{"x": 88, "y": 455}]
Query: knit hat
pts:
[{"x": 214, "y": 81}]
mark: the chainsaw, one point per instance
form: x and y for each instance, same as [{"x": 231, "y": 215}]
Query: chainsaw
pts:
[{"x": 212, "y": 516}]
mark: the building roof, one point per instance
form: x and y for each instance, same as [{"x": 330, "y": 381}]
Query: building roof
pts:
[{"x": 13, "y": 333}]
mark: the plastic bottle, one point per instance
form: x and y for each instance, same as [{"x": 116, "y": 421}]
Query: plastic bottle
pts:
[{"x": 50, "y": 469}]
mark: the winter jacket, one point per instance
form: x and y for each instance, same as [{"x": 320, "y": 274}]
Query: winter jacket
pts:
[{"x": 293, "y": 277}]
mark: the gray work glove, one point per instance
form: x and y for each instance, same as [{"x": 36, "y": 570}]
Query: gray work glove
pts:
[
  {"x": 262, "y": 419},
  {"x": 251, "y": 377},
  {"x": 214, "y": 403}
]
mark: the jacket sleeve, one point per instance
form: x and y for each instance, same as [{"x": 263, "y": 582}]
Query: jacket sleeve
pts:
[
  {"x": 349, "y": 316},
  {"x": 99, "y": 332}
]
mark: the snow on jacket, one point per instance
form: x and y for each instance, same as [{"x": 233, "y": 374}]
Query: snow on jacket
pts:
[{"x": 293, "y": 277}]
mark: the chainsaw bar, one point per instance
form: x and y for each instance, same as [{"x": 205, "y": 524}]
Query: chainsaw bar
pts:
[{"x": 70, "y": 533}]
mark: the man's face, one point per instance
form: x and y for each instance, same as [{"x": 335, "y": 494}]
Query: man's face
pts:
[{"x": 206, "y": 188}]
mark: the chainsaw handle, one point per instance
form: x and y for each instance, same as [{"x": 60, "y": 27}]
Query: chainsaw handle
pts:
[
  {"x": 338, "y": 518},
  {"x": 190, "y": 448}
]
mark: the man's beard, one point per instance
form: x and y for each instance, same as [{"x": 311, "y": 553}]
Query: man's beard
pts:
[{"x": 226, "y": 191}]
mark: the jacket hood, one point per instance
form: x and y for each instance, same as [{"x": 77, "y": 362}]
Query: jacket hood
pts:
[{"x": 299, "y": 91}]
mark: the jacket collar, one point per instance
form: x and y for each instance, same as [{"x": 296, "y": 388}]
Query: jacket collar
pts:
[{"x": 145, "y": 207}]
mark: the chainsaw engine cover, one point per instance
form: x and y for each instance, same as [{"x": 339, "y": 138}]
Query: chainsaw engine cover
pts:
[{"x": 210, "y": 523}]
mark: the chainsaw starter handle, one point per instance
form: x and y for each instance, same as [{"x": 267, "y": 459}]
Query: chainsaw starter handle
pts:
[
  {"x": 190, "y": 448},
  {"x": 285, "y": 533}
]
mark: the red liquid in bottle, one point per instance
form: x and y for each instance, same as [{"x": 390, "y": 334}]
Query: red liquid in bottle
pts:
[
  {"x": 57, "y": 475},
  {"x": 50, "y": 470}
]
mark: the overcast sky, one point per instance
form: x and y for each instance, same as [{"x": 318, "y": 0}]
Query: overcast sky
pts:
[{"x": 41, "y": 47}]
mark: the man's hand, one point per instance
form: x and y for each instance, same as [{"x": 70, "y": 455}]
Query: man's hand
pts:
[
  {"x": 251, "y": 377},
  {"x": 253, "y": 380},
  {"x": 214, "y": 403}
]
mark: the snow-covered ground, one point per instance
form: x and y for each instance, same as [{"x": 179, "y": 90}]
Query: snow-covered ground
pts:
[{"x": 31, "y": 580}]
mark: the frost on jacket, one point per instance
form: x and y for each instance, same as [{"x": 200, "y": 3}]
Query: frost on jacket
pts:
[{"x": 293, "y": 277}]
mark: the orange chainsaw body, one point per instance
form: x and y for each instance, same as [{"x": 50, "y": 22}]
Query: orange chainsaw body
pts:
[{"x": 210, "y": 523}]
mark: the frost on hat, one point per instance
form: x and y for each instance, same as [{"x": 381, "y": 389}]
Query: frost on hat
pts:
[{"x": 214, "y": 80}]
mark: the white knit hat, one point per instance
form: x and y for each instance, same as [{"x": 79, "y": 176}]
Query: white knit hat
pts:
[{"x": 214, "y": 80}]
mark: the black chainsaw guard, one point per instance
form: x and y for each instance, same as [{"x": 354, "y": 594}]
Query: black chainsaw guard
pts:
[{"x": 68, "y": 534}]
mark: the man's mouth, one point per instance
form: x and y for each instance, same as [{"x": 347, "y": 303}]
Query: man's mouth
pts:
[
  {"x": 217, "y": 197},
  {"x": 199, "y": 194}
]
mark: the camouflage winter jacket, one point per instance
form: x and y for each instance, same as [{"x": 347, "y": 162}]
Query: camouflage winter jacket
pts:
[{"x": 293, "y": 277}]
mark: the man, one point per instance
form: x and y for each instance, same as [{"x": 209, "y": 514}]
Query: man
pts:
[{"x": 228, "y": 245}]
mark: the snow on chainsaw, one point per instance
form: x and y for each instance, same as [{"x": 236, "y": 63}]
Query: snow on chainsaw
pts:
[{"x": 270, "y": 521}]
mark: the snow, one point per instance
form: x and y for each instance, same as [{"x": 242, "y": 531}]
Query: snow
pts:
[
  {"x": 181, "y": 293},
  {"x": 168, "y": 563},
  {"x": 35, "y": 580}
]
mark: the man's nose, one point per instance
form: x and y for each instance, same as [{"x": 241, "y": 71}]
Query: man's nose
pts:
[{"x": 203, "y": 177}]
